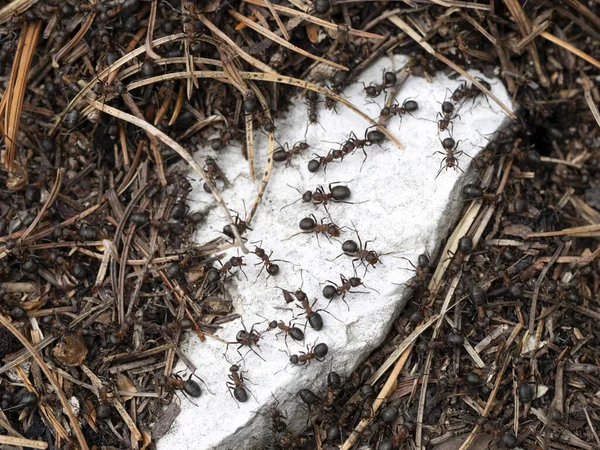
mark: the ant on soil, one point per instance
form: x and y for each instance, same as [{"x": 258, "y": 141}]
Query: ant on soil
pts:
[
  {"x": 321, "y": 7},
  {"x": 465, "y": 92},
  {"x": 450, "y": 160},
  {"x": 389, "y": 79},
  {"x": 285, "y": 154},
  {"x": 248, "y": 339},
  {"x": 333, "y": 290},
  {"x": 422, "y": 270},
  {"x": 310, "y": 225}
]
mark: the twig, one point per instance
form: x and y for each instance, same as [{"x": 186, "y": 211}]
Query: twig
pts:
[
  {"x": 538, "y": 284},
  {"x": 22, "y": 442},
  {"x": 151, "y": 22},
  {"x": 57, "y": 390},
  {"x": 280, "y": 24},
  {"x": 570, "y": 48}
]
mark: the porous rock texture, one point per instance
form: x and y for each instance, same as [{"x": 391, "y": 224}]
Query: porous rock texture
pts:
[{"x": 399, "y": 205}]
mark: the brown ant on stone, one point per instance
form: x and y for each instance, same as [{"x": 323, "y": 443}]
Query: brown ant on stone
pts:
[
  {"x": 288, "y": 330},
  {"x": 446, "y": 116},
  {"x": 338, "y": 83},
  {"x": 317, "y": 352},
  {"x": 236, "y": 386},
  {"x": 312, "y": 100},
  {"x": 450, "y": 160},
  {"x": 333, "y": 290},
  {"x": 240, "y": 224},
  {"x": 234, "y": 261},
  {"x": 266, "y": 261},
  {"x": 359, "y": 252},
  {"x": 409, "y": 106},
  {"x": 310, "y": 225},
  {"x": 336, "y": 194},
  {"x": 285, "y": 154},
  {"x": 313, "y": 317},
  {"x": 213, "y": 172},
  {"x": 248, "y": 339}
]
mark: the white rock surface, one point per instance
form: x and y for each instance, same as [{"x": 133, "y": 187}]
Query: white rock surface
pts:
[{"x": 400, "y": 204}]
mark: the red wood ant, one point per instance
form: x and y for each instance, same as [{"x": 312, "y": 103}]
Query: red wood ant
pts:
[
  {"x": 312, "y": 99},
  {"x": 422, "y": 270},
  {"x": 332, "y": 290},
  {"x": 389, "y": 79},
  {"x": 318, "y": 352},
  {"x": 465, "y": 92},
  {"x": 267, "y": 262},
  {"x": 446, "y": 116},
  {"x": 289, "y": 330},
  {"x": 360, "y": 252},
  {"x": 285, "y": 154},
  {"x": 240, "y": 224},
  {"x": 407, "y": 107},
  {"x": 213, "y": 172},
  {"x": 189, "y": 386},
  {"x": 336, "y": 194},
  {"x": 234, "y": 261},
  {"x": 236, "y": 387},
  {"x": 465, "y": 247},
  {"x": 338, "y": 83},
  {"x": 310, "y": 225},
  {"x": 450, "y": 160},
  {"x": 248, "y": 339},
  {"x": 314, "y": 319}
]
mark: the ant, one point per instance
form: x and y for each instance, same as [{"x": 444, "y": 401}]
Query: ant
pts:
[
  {"x": 294, "y": 332},
  {"x": 314, "y": 319},
  {"x": 236, "y": 386},
  {"x": 318, "y": 352},
  {"x": 332, "y": 290},
  {"x": 248, "y": 339},
  {"x": 336, "y": 194},
  {"x": 284, "y": 154},
  {"x": 310, "y": 225},
  {"x": 224, "y": 138},
  {"x": 446, "y": 116},
  {"x": 322, "y": 161},
  {"x": 320, "y": 7},
  {"x": 277, "y": 418},
  {"x": 338, "y": 83},
  {"x": 373, "y": 90},
  {"x": 465, "y": 92},
  {"x": 240, "y": 224},
  {"x": 465, "y": 247},
  {"x": 449, "y": 160},
  {"x": 407, "y": 107},
  {"x": 422, "y": 270},
  {"x": 360, "y": 252},
  {"x": 234, "y": 261},
  {"x": 189, "y": 386},
  {"x": 267, "y": 262},
  {"x": 312, "y": 99},
  {"x": 250, "y": 106},
  {"x": 213, "y": 172}
]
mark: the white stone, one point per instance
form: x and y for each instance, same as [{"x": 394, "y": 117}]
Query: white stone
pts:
[{"x": 400, "y": 205}]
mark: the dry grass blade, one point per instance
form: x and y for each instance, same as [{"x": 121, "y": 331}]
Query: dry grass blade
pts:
[
  {"x": 57, "y": 390},
  {"x": 22, "y": 442},
  {"x": 38, "y": 217},
  {"x": 181, "y": 151},
  {"x": 570, "y": 48},
  {"x": 315, "y": 20},
  {"x": 151, "y": 22},
  {"x": 12, "y": 101},
  {"x": 396, "y": 20},
  {"x": 269, "y": 34},
  {"x": 280, "y": 24},
  {"x": 242, "y": 54},
  {"x": 275, "y": 79},
  {"x": 69, "y": 46},
  {"x": 587, "y": 93},
  {"x": 14, "y": 8},
  {"x": 106, "y": 72},
  {"x": 383, "y": 394}
]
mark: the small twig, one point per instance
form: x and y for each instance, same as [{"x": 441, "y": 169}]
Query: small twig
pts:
[
  {"x": 280, "y": 24},
  {"x": 570, "y": 48},
  {"x": 22, "y": 442},
  {"x": 151, "y": 22},
  {"x": 538, "y": 284}
]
